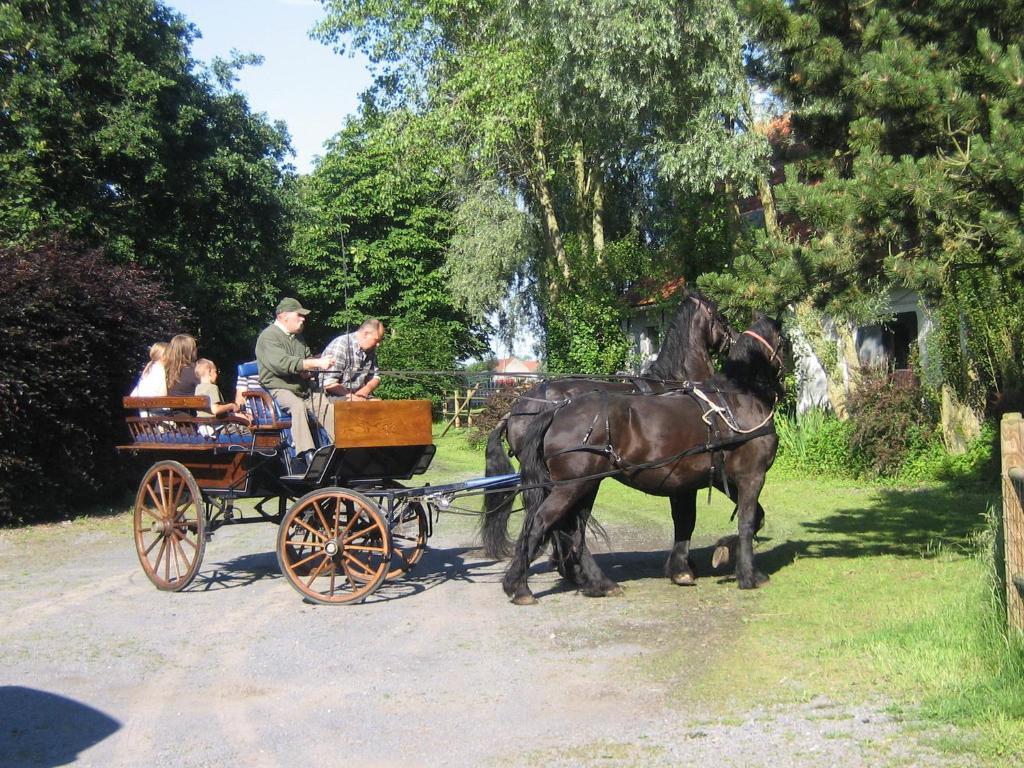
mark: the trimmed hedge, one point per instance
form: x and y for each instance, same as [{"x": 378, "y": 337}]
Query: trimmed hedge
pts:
[{"x": 76, "y": 333}]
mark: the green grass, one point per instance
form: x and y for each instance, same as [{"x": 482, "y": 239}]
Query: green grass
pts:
[{"x": 876, "y": 592}]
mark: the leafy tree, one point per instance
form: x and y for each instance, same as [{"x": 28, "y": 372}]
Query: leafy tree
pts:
[
  {"x": 107, "y": 132},
  {"x": 370, "y": 241},
  {"x": 575, "y": 111},
  {"x": 76, "y": 331}
]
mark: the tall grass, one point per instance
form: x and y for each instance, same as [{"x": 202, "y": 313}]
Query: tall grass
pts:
[{"x": 815, "y": 442}]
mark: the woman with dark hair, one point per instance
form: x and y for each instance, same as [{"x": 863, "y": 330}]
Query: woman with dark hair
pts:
[{"x": 181, "y": 366}]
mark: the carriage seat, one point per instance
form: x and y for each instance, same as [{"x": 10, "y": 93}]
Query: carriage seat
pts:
[
  {"x": 267, "y": 412},
  {"x": 169, "y": 422}
]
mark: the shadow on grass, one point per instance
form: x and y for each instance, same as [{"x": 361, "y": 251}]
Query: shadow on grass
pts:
[
  {"x": 903, "y": 523},
  {"x": 893, "y": 522}
]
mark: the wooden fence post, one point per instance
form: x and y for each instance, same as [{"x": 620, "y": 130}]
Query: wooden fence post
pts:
[{"x": 1011, "y": 432}]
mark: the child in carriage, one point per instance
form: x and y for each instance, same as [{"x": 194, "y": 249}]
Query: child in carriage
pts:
[{"x": 206, "y": 372}]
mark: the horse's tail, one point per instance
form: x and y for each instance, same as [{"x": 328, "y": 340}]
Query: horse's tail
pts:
[
  {"x": 533, "y": 468},
  {"x": 497, "y": 506}
]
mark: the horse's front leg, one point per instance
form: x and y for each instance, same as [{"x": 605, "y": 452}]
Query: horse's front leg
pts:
[
  {"x": 679, "y": 566},
  {"x": 725, "y": 547},
  {"x": 748, "y": 490}
]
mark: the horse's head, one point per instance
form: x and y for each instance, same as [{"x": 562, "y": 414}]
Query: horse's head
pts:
[
  {"x": 715, "y": 330},
  {"x": 757, "y": 356}
]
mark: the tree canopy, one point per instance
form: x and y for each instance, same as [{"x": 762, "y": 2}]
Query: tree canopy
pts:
[{"x": 110, "y": 133}]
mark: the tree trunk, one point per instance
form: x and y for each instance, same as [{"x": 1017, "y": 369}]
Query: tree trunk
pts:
[
  {"x": 771, "y": 219},
  {"x": 583, "y": 196},
  {"x": 538, "y": 179},
  {"x": 597, "y": 210}
]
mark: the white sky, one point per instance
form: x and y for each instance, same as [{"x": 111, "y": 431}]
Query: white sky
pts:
[{"x": 302, "y": 82}]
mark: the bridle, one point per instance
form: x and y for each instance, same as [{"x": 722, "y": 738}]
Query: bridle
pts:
[
  {"x": 773, "y": 352},
  {"x": 717, "y": 322}
]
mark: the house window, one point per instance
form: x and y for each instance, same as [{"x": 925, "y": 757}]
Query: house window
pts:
[
  {"x": 890, "y": 345},
  {"x": 903, "y": 334}
]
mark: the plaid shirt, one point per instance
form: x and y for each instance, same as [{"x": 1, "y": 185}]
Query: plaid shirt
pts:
[{"x": 353, "y": 366}]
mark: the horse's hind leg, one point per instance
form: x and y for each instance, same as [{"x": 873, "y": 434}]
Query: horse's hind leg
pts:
[
  {"x": 725, "y": 547},
  {"x": 591, "y": 580},
  {"x": 679, "y": 566},
  {"x": 538, "y": 524}
]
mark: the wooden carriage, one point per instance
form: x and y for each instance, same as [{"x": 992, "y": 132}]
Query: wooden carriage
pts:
[{"x": 346, "y": 522}]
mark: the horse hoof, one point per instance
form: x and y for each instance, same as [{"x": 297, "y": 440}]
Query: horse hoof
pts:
[
  {"x": 720, "y": 557},
  {"x": 754, "y": 581},
  {"x": 524, "y": 600},
  {"x": 683, "y": 579},
  {"x": 615, "y": 591}
]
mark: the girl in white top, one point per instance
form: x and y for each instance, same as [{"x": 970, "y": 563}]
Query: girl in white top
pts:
[{"x": 153, "y": 381}]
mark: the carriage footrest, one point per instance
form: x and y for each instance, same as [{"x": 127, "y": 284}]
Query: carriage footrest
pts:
[{"x": 319, "y": 463}]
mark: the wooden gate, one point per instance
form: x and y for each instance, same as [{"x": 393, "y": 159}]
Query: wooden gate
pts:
[{"x": 1012, "y": 450}]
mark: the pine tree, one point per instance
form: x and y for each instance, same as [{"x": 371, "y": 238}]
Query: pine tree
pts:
[{"x": 904, "y": 163}]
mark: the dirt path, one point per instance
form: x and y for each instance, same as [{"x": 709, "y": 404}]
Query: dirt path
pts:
[{"x": 101, "y": 669}]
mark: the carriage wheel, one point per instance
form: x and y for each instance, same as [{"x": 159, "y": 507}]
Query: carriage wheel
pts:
[
  {"x": 334, "y": 546},
  {"x": 170, "y": 526},
  {"x": 409, "y": 536}
]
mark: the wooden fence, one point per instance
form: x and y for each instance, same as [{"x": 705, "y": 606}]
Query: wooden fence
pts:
[
  {"x": 1012, "y": 450},
  {"x": 461, "y": 405}
]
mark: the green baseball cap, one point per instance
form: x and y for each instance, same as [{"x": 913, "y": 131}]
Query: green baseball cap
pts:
[{"x": 288, "y": 304}]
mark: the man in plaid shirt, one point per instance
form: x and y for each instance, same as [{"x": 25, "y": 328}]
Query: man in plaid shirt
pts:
[{"x": 354, "y": 376}]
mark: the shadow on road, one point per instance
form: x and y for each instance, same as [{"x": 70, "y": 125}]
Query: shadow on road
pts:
[
  {"x": 46, "y": 729},
  {"x": 237, "y": 572}
]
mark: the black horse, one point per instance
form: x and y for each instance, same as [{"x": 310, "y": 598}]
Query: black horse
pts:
[
  {"x": 697, "y": 329},
  {"x": 720, "y": 433}
]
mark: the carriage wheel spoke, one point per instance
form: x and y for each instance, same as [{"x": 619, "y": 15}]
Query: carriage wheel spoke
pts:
[
  {"x": 155, "y": 541},
  {"x": 156, "y": 502},
  {"x": 303, "y": 561},
  {"x": 356, "y": 563},
  {"x": 174, "y": 554},
  {"x": 353, "y": 535},
  {"x": 176, "y": 504},
  {"x": 364, "y": 548},
  {"x": 320, "y": 516},
  {"x": 163, "y": 495},
  {"x": 315, "y": 532},
  {"x": 316, "y": 573}
]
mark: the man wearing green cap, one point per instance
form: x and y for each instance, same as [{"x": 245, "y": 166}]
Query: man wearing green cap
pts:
[{"x": 285, "y": 363}]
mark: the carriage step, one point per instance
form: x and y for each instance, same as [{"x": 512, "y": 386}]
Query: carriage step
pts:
[{"x": 319, "y": 462}]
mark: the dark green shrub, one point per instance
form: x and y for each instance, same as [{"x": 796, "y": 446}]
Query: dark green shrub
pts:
[
  {"x": 498, "y": 404},
  {"x": 76, "y": 333},
  {"x": 893, "y": 420}
]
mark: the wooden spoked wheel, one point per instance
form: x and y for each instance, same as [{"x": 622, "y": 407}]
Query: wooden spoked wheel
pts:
[
  {"x": 334, "y": 546},
  {"x": 409, "y": 537},
  {"x": 170, "y": 526}
]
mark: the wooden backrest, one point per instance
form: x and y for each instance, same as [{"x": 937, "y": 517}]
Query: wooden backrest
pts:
[{"x": 187, "y": 403}]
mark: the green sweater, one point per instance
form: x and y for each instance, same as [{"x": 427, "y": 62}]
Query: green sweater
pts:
[{"x": 280, "y": 358}]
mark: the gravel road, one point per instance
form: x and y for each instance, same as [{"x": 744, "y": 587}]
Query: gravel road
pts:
[{"x": 100, "y": 669}]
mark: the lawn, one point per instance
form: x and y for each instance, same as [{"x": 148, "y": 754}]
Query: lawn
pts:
[{"x": 876, "y": 592}]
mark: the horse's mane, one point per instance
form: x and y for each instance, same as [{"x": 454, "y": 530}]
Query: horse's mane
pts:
[
  {"x": 675, "y": 357},
  {"x": 749, "y": 366}
]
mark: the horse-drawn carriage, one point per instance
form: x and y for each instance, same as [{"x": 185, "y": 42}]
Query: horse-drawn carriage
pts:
[{"x": 346, "y": 522}]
